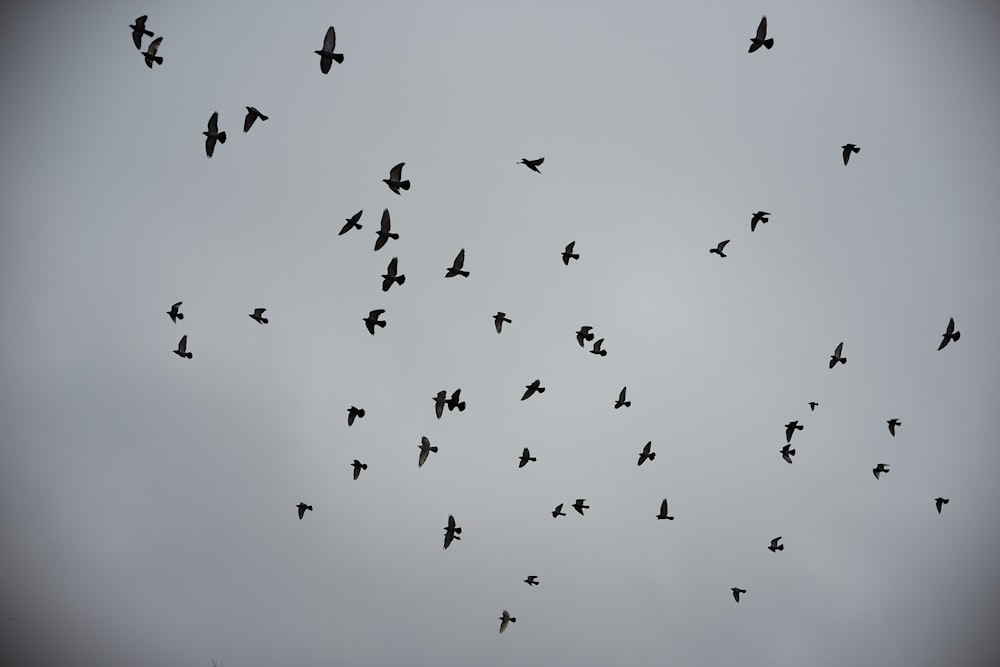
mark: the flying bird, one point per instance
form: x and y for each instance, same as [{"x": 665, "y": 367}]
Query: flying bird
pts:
[
  {"x": 425, "y": 448},
  {"x": 530, "y": 164},
  {"x": 597, "y": 348},
  {"x": 352, "y": 223},
  {"x": 568, "y": 253},
  {"x": 525, "y": 458},
  {"x": 175, "y": 312},
  {"x": 505, "y": 619},
  {"x": 718, "y": 249},
  {"x": 139, "y": 29},
  {"x": 557, "y": 512},
  {"x": 775, "y": 547},
  {"x": 532, "y": 388},
  {"x": 787, "y": 453},
  {"x": 583, "y": 335},
  {"x": 354, "y": 413},
  {"x": 395, "y": 181},
  {"x": 451, "y": 532},
  {"x": 835, "y": 357},
  {"x": 759, "y": 40},
  {"x": 737, "y": 591},
  {"x": 813, "y": 405},
  {"x": 212, "y": 134},
  {"x": 440, "y": 399},
  {"x": 759, "y": 216},
  {"x": 258, "y": 315},
  {"x": 252, "y": 115},
  {"x": 621, "y": 402},
  {"x": 302, "y": 509},
  {"x": 456, "y": 402},
  {"x": 383, "y": 233},
  {"x": 456, "y": 266},
  {"x": 893, "y": 423},
  {"x": 182, "y": 347},
  {"x": 579, "y": 505},
  {"x": 358, "y": 467},
  {"x": 950, "y": 334},
  {"x": 532, "y": 580},
  {"x": 499, "y": 319},
  {"x": 791, "y": 428},
  {"x": 391, "y": 276},
  {"x": 663, "y": 511},
  {"x": 150, "y": 53},
  {"x": 326, "y": 54},
  {"x": 646, "y": 453},
  {"x": 880, "y": 468},
  {"x": 373, "y": 320},
  {"x": 939, "y": 503},
  {"x": 848, "y": 149}
]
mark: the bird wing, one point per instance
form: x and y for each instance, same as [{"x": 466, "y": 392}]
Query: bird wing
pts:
[
  {"x": 439, "y": 405},
  {"x": 762, "y": 29},
  {"x": 302, "y": 511},
  {"x": 393, "y": 266},
  {"x": 722, "y": 244},
  {"x": 424, "y": 452},
  {"x": 176, "y": 305},
  {"x": 663, "y": 507},
  {"x": 385, "y": 223},
  {"x": 396, "y": 173},
  {"x": 257, "y": 312},
  {"x": 459, "y": 260},
  {"x": 951, "y": 326},
  {"x": 330, "y": 41},
  {"x": 645, "y": 450},
  {"x": 569, "y": 247},
  {"x": 621, "y": 394},
  {"x": 753, "y": 223},
  {"x": 153, "y": 46},
  {"x": 847, "y": 153},
  {"x": 182, "y": 345},
  {"x": 498, "y": 321},
  {"x": 448, "y": 537},
  {"x": 527, "y": 392},
  {"x": 539, "y": 161}
]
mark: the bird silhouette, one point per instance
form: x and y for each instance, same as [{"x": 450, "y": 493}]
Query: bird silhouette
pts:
[
  {"x": 950, "y": 334},
  {"x": 440, "y": 400},
  {"x": 373, "y": 320},
  {"x": 175, "y": 312},
  {"x": 663, "y": 511},
  {"x": 835, "y": 357},
  {"x": 456, "y": 402},
  {"x": 252, "y": 115},
  {"x": 358, "y": 467},
  {"x": 893, "y": 423},
  {"x": 181, "y": 350},
  {"x": 258, "y": 316},
  {"x": 557, "y": 512},
  {"x": 939, "y": 503},
  {"x": 880, "y": 468},
  {"x": 302, "y": 509},
  {"x": 790, "y": 429},
  {"x": 646, "y": 454},
  {"x": 139, "y": 29},
  {"x": 584, "y": 335},
  {"x": 813, "y": 405},
  {"x": 525, "y": 458},
  {"x": 775, "y": 547},
  {"x": 579, "y": 505},
  {"x": 787, "y": 453},
  {"x": 568, "y": 253},
  {"x": 621, "y": 402},
  {"x": 326, "y": 54},
  {"x": 150, "y": 53},
  {"x": 456, "y": 266},
  {"x": 499, "y": 319},
  {"x": 597, "y": 348},
  {"x": 425, "y": 448},
  {"x": 848, "y": 149},
  {"x": 718, "y": 249},
  {"x": 737, "y": 591},
  {"x": 354, "y": 413},
  {"x": 532, "y": 580},
  {"x": 532, "y": 388},
  {"x": 451, "y": 532},
  {"x": 212, "y": 134},
  {"x": 352, "y": 223},
  {"x": 391, "y": 276},
  {"x": 759, "y": 40},
  {"x": 505, "y": 619},
  {"x": 530, "y": 164},
  {"x": 759, "y": 216},
  {"x": 395, "y": 181},
  {"x": 384, "y": 233}
]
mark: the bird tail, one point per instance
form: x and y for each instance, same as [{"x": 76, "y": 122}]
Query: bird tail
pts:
[
  {"x": 627, "y": 404},
  {"x": 461, "y": 406},
  {"x": 309, "y": 507},
  {"x": 393, "y": 236},
  {"x": 958, "y": 334},
  {"x": 780, "y": 547},
  {"x": 458, "y": 531},
  {"x": 652, "y": 455},
  {"x": 434, "y": 449},
  {"x": 190, "y": 355},
  {"x": 768, "y": 43},
  {"x": 574, "y": 256},
  {"x": 222, "y": 137},
  {"x": 264, "y": 320},
  {"x": 541, "y": 390},
  {"x": 148, "y": 33},
  {"x": 364, "y": 466},
  {"x": 361, "y": 412},
  {"x": 791, "y": 452},
  {"x": 843, "y": 360},
  {"x": 513, "y": 620},
  {"x": 339, "y": 57},
  {"x": 405, "y": 185},
  {"x": 464, "y": 274},
  {"x": 380, "y": 324},
  {"x": 857, "y": 149},
  {"x": 604, "y": 353},
  {"x": 400, "y": 280},
  {"x": 180, "y": 316}
]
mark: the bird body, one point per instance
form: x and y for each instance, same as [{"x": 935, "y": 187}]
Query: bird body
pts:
[
  {"x": 384, "y": 232},
  {"x": 302, "y": 509},
  {"x": 646, "y": 453},
  {"x": 150, "y": 53},
  {"x": 395, "y": 181},
  {"x": 848, "y": 149},
  {"x": 759, "y": 40},
  {"x": 440, "y": 400},
  {"x": 326, "y": 54},
  {"x": 181, "y": 350},
  {"x": 456, "y": 402},
  {"x": 526, "y": 457},
  {"x": 663, "y": 511},
  {"x": 499, "y": 319},
  {"x": 532, "y": 580},
  {"x": 425, "y": 448},
  {"x": 568, "y": 253},
  {"x": 893, "y": 423},
  {"x": 759, "y": 216},
  {"x": 392, "y": 275},
  {"x": 175, "y": 312},
  {"x": 358, "y": 467},
  {"x": 352, "y": 223},
  {"x": 258, "y": 316},
  {"x": 252, "y": 115},
  {"x": 880, "y": 468},
  {"x": 373, "y": 320},
  {"x": 787, "y": 453},
  {"x": 790, "y": 429},
  {"x": 212, "y": 134},
  {"x": 950, "y": 334},
  {"x": 940, "y": 502},
  {"x": 354, "y": 413},
  {"x": 530, "y": 389},
  {"x": 775, "y": 547},
  {"x": 836, "y": 357},
  {"x": 584, "y": 335},
  {"x": 506, "y": 618},
  {"x": 737, "y": 591},
  {"x": 139, "y": 29},
  {"x": 621, "y": 402},
  {"x": 451, "y": 532},
  {"x": 456, "y": 266},
  {"x": 530, "y": 164},
  {"x": 813, "y": 405},
  {"x": 557, "y": 512},
  {"x": 579, "y": 505},
  {"x": 597, "y": 348},
  {"x": 718, "y": 249}
]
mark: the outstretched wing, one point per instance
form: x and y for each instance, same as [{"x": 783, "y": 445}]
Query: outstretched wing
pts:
[
  {"x": 153, "y": 46},
  {"x": 459, "y": 260},
  {"x": 951, "y": 326},
  {"x": 213, "y": 123},
  {"x": 396, "y": 173},
  {"x": 330, "y": 40},
  {"x": 761, "y": 29},
  {"x": 840, "y": 348}
]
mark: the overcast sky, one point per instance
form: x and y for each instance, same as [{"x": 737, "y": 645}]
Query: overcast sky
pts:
[{"x": 147, "y": 502}]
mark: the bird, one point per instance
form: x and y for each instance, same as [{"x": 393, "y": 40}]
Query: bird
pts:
[
  {"x": 939, "y": 503},
  {"x": 532, "y": 580},
  {"x": 646, "y": 453},
  {"x": 456, "y": 266},
  {"x": 950, "y": 334},
  {"x": 848, "y": 149},
  {"x": 499, "y": 319},
  {"x": 440, "y": 399},
  {"x": 880, "y": 468},
  {"x": 791, "y": 428},
  {"x": 358, "y": 467},
  {"x": 557, "y": 512},
  {"x": 258, "y": 315},
  {"x": 425, "y": 448},
  {"x": 505, "y": 619},
  {"x": 759, "y": 40},
  {"x": 395, "y": 181},
  {"x": 737, "y": 591},
  {"x": 326, "y": 54},
  {"x": 212, "y": 134},
  {"x": 718, "y": 249},
  {"x": 579, "y": 505},
  {"x": 893, "y": 423},
  {"x": 391, "y": 276},
  {"x": 530, "y": 164},
  {"x": 352, "y": 223},
  {"x": 813, "y": 405},
  {"x": 532, "y": 388},
  {"x": 835, "y": 357},
  {"x": 139, "y": 29},
  {"x": 150, "y": 53},
  {"x": 354, "y": 413},
  {"x": 787, "y": 453},
  {"x": 181, "y": 350},
  {"x": 663, "y": 511},
  {"x": 175, "y": 312},
  {"x": 252, "y": 115},
  {"x": 525, "y": 458},
  {"x": 451, "y": 532},
  {"x": 775, "y": 547},
  {"x": 568, "y": 253},
  {"x": 621, "y": 402},
  {"x": 759, "y": 216},
  {"x": 383, "y": 232},
  {"x": 373, "y": 320},
  {"x": 302, "y": 509},
  {"x": 456, "y": 402},
  {"x": 584, "y": 334},
  {"x": 597, "y": 348}
]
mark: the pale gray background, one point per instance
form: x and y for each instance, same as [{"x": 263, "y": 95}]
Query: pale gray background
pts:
[{"x": 147, "y": 503}]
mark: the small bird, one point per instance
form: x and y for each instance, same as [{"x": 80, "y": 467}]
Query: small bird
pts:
[
  {"x": 787, "y": 453},
  {"x": 391, "y": 275},
  {"x": 880, "y": 468},
  {"x": 354, "y": 413},
  {"x": 597, "y": 348},
  {"x": 395, "y": 181},
  {"x": 893, "y": 423},
  {"x": 451, "y": 532},
  {"x": 532, "y": 580},
  {"x": 358, "y": 467},
  {"x": 456, "y": 266},
  {"x": 835, "y": 357},
  {"x": 212, "y": 134},
  {"x": 352, "y": 223},
  {"x": 718, "y": 249},
  {"x": 759, "y": 40},
  {"x": 646, "y": 453},
  {"x": 525, "y": 458},
  {"x": 258, "y": 315},
  {"x": 775, "y": 547},
  {"x": 530, "y": 164},
  {"x": 568, "y": 253},
  {"x": 302, "y": 509},
  {"x": 252, "y": 115},
  {"x": 425, "y": 448},
  {"x": 663, "y": 511},
  {"x": 848, "y": 149},
  {"x": 181, "y": 350},
  {"x": 150, "y": 53},
  {"x": 813, "y": 405},
  {"x": 759, "y": 216},
  {"x": 579, "y": 505},
  {"x": 505, "y": 619},
  {"x": 791, "y": 428},
  {"x": 532, "y": 388},
  {"x": 737, "y": 591},
  {"x": 583, "y": 335},
  {"x": 621, "y": 402},
  {"x": 499, "y": 319},
  {"x": 175, "y": 312},
  {"x": 383, "y": 233},
  {"x": 440, "y": 399},
  {"x": 139, "y": 29},
  {"x": 326, "y": 54},
  {"x": 939, "y": 503},
  {"x": 373, "y": 320},
  {"x": 557, "y": 512},
  {"x": 950, "y": 334},
  {"x": 456, "y": 402}
]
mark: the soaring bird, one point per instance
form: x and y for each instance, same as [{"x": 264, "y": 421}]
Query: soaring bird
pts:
[
  {"x": 759, "y": 40},
  {"x": 568, "y": 253},
  {"x": 175, "y": 312},
  {"x": 425, "y": 448},
  {"x": 451, "y": 532},
  {"x": 326, "y": 54},
  {"x": 352, "y": 223},
  {"x": 621, "y": 402},
  {"x": 395, "y": 180},
  {"x": 835, "y": 357},
  {"x": 258, "y": 316},
  {"x": 525, "y": 458},
  {"x": 718, "y": 249},
  {"x": 384, "y": 233},
  {"x": 940, "y": 502},
  {"x": 646, "y": 454},
  {"x": 499, "y": 319},
  {"x": 456, "y": 266},
  {"x": 139, "y": 29},
  {"x": 373, "y": 320},
  {"x": 182, "y": 347},
  {"x": 848, "y": 149},
  {"x": 530, "y": 164},
  {"x": 790, "y": 429},
  {"x": 456, "y": 402},
  {"x": 813, "y": 405},
  {"x": 252, "y": 115},
  {"x": 354, "y": 413},
  {"x": 775, "y": 547},
  {"x": 557, "y": 512},
  {"x": 759, "y": 216},
  {"x": 663, "y": 511},
  {"x": 893, "y": 423},
  {"x": 302, "y": 509},
  {"x": 950, "y": 334},
  {"x": 532, "y": 388},
  {"x": 737, "y": 591},
  {"x": 597, "y": 348},
  {"x": 391, "y": 275},
  {"x": 584, "y": 335},
  {"x": 880, "y": 468},
  {"x": 787, "y": 453},
  {"x": 440, "y": 399},
  {"x": 212, "y": 134},
  {"x": 150, "y": 53},
  {"x": 506, "y": 618},
  {"x": 358, "y": 467},
  {"x": 579, "y": 505},
  {"x": 532, "y": 580}
]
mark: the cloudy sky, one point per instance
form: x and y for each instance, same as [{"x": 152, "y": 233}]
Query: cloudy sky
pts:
[{"x": 147, "y": 502}]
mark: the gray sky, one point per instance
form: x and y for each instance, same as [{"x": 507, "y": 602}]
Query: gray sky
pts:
[{"x": 147, "y": 503}]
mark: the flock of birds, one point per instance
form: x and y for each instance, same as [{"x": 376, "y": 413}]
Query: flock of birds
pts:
[{"x": 396, "y": 183}]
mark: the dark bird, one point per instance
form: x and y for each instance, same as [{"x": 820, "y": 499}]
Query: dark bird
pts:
[
  {"x": 848, "y": 149},
  {"x": 395, "y": 181},
  {"x": 391, "y": 276},
  {"x": 787, "y": 453},
  {"x": 950, "y": 334},
  {"x": 583, "y": 335},
  {"x": 646, "y": 453},
  {"x": 579, "y": 505},
  {"x": 532, "y": 388},
  {"x": 597, "y": 348},
  {"x": 663, "y": 511},
  {"x": 383, "y": 232},
  {"x": 150, "y": 53},
  {"x": 499, "y": 319},
  {"x": 737, "y": 591},
  {"x": 354, "y": 413},
  {"x": 813, "y": 405},
  {"x": 175, "y": 312},
  {"x": 373, "y": 320},
  {"x": 759, "y": 216},
  {"x": 139, "y": 29},
  {"x": 893, "y": 423},
  {"x": 759, "y": 40},
  {"x": 456, "y": 266},
  {"x": 718, "y": 249},
  {"x": 252, "y": 115},
  {"x": 939, "y": 503},
  {"x": 530, "y": 164},
  {"x": 621, "y": 402},
  {"x": 258, "y": 315},
  {"x": 212, "y": 134},
  {"x": 182, "y": 347},
  {"x": 775, "y": 547},
  {"x": 568, "y": 253},
  {"x": 791, "y": 428},
  {"x": 326, "y": 54},
  {"x": 880, "y": 468},
  {"x": 302, "y": 509},
  {"x": 352, "y": 223},
  {"x": 557, "y": 512},
  {"x": 451, "y": 532},
  {"x": 835, "y": 357},
  {"x": 425, "y": 448},
  {"x": 532, "y": 580},
  {"x": 505, "y": 619},
  {"x": 358, "y": 467},
  {"x": 525, "y": 458},
  {"x": 440, "y": 399},
  {"x": 456, "y": 402}
]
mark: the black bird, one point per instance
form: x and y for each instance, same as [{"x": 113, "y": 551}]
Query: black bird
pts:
[
  {"x": 505, "y": 619},
  {"x": 425, "y": 450},
  {"x": 532, "y": 388},
  {"x": 352, "y": 223},
  {"x": 213, "y": 134},
  {"x": 775, "y": 547},
  {"x": 456, "y": 402},
  {"x": 395, "y": 181},
  {"x": 139, "y": 29},
  {"x": 939, "y": 502},
  {"x": 759, "y": 216},
  {"x": 391, "y": 276},
  {"x": 893, "y": 423},
  {"x": 737, "y": 591},
  {"x": 568, "y": 253},
  {"x": 718, "y": 249},
  {"x": 880, "y": 468},
  {"x": 150, "y": 53},
  {"x": 532, "y": 580},
  {"x": 787, "y": 453},
  {"x": 373, "y": 320},
  {"x": 835, "y": 357},
  {"x": 182, "y": 346},
  {"x": 530, "y": 164},
  {"x": 813, "y": 405},
  {"x": 451, "y": 532},
  {"x": 791, "y": 428},
  {"x": 663, "y": 511},
  {"x": 646, "y": 453},
  {"x": 252, "y": 115},
  {"x": 383, "y": 232},
  {"x": 358, "y": 467},
  {"x": 579, "y": 505},
  {"x": 621, "y": 400},
  {"x": 456, "y": 266},
  {"x": 950, "y": 334},
  {"x": 557, "y": 512},
  {"x": 354, "y": 413},
  {"x": 326, "y": 54},
  {"x": 175, "y": 312},
  {"x": 258, "y": 315},
  {"x": 525, "y": 458},
  {"x": 499, "y": 319},
  {"x": 440, "y": 399},
  {"x": 597, "y": 348},
  {"x": 848, "y": 149},
  {"x": 584, "y": 334},
  {"x": 759, "y": 40},
  {"x": 302, "y": 509}
]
